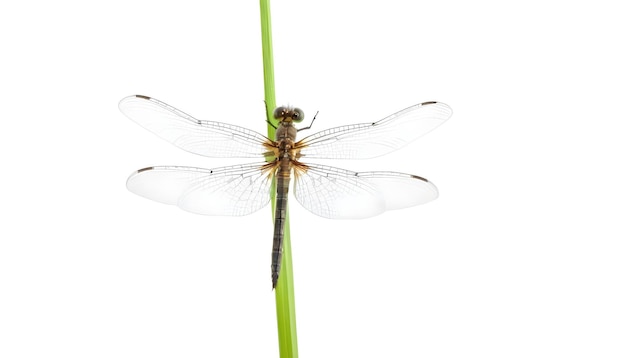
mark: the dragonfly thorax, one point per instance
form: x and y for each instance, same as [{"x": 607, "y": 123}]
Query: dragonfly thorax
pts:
[{"x": 286, "y": 135}]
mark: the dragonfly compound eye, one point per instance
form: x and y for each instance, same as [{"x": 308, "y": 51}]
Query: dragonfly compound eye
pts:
[
  {"x": 298, "y": 115},
  {"x": 279, "y": 112}
]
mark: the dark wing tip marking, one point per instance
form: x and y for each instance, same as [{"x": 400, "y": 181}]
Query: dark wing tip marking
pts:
[
  {"x": 144, "y": 169},
  {"x": 142, "y": 96},
  {"x": 429, "y": 102},
  {"x": 420, "y": 178}
]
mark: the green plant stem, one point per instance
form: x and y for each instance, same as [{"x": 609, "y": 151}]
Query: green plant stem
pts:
[{"x": 285, "y": 299}]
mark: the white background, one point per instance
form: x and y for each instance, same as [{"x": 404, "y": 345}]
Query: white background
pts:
[{"x": 521, "y": 256}]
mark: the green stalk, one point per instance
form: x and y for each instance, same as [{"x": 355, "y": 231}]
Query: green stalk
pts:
[{"x": 285, "y": 299}]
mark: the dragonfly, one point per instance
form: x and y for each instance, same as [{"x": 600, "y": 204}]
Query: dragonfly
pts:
[{"x": 243, "y": 189}]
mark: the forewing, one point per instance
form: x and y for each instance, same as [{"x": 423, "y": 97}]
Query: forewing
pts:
[
  {"x": 232, "y": 191},
  {"x": 369, "y": 140},
  {"x": 211, "y": 139},
  {"x": 336, "y": 193}
]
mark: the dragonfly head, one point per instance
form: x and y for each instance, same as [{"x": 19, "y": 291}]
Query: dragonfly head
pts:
[{"x": 288, "y": 114}]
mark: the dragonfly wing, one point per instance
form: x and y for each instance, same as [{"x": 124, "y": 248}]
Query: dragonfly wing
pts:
[
  {"x": 369, "y": 140},
  {"x": 336, "y": 193},
  {"x": 231, "y": 191},
  {"x": 211, "y": 139}
]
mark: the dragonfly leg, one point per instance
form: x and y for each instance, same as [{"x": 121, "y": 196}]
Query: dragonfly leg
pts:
[
  {"x": 310, "y": 125},
  {"x": 267, "y": 118}
]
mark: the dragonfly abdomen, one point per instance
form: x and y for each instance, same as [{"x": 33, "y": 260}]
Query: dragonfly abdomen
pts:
[{"x": 282, "y": 190}]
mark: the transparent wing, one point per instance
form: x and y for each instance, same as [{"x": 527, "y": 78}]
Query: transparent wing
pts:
[
  {"x": 211, "y": 139},
  {"x": 336, "y": 193},
  {"x": 232, "y": 191},
  {"x": 369, "y": 140}
]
